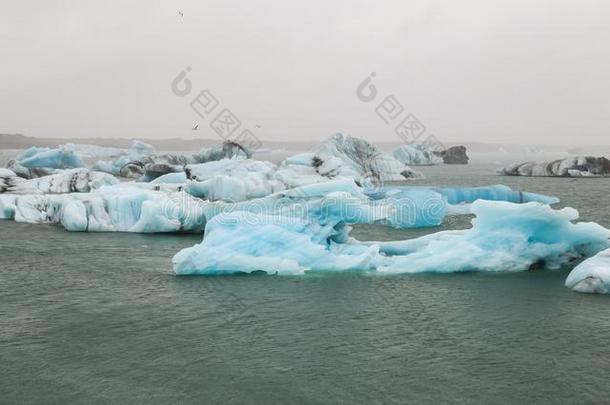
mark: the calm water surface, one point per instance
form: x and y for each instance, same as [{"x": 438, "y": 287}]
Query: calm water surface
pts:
[{"x": 100, "y": 318}]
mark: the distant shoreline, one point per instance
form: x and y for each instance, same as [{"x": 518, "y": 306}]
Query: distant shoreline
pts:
[{"x": 19, "y": 141}]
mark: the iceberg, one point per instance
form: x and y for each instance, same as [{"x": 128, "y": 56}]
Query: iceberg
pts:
[
  {"x": 226, "y": 150},
  {"x": 61, "y": 158},
  {"x": 27, "y": 173},
  {"x": 592, "y": 275},
  {"x": 65, "y": 181},
  {"x": 128, "y": 163},
  {"x": 109, "y": 209},
  {"x": 232, "y": 180},
  {"x": 499, "y": 192},
  {"x": 455, "y": 155},
  {"x": 365, "y": 159},
  {"x": 343, "y": 200},
  {"x": 577, "y": 166},
  {"x": 505, "y": 237},
  {"x": 309, "y": 168},
  {"x": 145, "y": 168},
  {"x": 417, "y": 155}
]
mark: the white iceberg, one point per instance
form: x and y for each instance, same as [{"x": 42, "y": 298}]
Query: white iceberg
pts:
[
  {"x": 575, "y": 166},
  {"x": 504, "y": 237},
  {"x": 592, "y": 275},
  {"x": 309, "y": 168},
  {"x": 120, "y": 167},
  {"x": 226, "y": 150},
  {"x": 109, "y": 209},
  {"x": 365, "y": 159},
  {"x": 232, "y": 180},
  {"x": 65, "y": 181},
  {"x": 417, "y": 155}
]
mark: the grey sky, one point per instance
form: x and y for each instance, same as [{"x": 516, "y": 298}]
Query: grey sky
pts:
[{"x": 487, "y": 70}]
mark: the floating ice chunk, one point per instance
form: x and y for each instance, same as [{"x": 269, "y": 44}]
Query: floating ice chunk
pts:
[
  {"x": 243, "y": 242},
  {"x": 459, "y": 195},
  {"x": 576, "y": 166},
  {"x": 308, "y": 168},
  {"x": 464, "y": 195},
  {"x": 129, "y": 164},
  {"x": 416, "y": 155},
  {"x": 233, "y": 188},
  {"x": 592, "y": 275},
  {"x": 61, "y": 158},
  {"x": 505, "y": 237},
  {"x": 227, "y": 150},
  {"x": 232, "y": 180},
  {"x": 66, "y": 181},
  {"x": 110, "y": 209},
  {"x": 229, "y": 167},
  {"x": 365, "y": 159}
]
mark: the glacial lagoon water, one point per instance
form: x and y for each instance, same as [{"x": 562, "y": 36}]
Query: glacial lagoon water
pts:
[{"x": 100, "y": 318}]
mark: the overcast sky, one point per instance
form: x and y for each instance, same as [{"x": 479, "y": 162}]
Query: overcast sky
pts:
[{"x": 512, "y": 71}]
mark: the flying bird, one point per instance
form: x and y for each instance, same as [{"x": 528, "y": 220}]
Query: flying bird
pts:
[
  {"x": 196, "y": 127},
  {"x": 180, "y": 13},
  {"x": 258, "y": 126}
]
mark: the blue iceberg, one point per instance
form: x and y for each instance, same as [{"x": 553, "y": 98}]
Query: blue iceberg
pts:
[
  {"x": 505, "y": 237},
  {"x": 61, "y": 158}
]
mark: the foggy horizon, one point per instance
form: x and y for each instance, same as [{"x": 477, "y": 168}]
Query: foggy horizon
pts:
[{"x": 479, "y": 71}]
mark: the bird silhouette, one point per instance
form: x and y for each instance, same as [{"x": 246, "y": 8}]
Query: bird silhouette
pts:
[
  {"x": 196, "y": 127},
  {"x": 180, "y": 13}
]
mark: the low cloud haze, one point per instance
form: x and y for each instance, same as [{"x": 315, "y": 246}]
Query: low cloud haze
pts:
[{"x": 489, "y": 71}]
